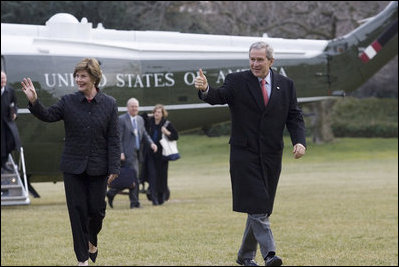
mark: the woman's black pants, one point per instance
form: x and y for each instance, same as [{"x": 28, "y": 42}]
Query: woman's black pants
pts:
[{"x": 85, "y": 197}]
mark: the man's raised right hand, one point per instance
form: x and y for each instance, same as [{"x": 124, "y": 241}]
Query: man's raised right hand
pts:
[{"x": 201, "y": 82}]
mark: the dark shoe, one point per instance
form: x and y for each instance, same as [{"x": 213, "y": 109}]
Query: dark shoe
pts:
[
  {"x": 148, "y": 194},
  {"x": 93, "y": 256},
  {"x": 247, "y": 262},
  {"x": 135, "y": 205},
  {"x": 110, "y": 200},
  {"x": 273, "y": 261},
  {"x": 166, "y": 195}
]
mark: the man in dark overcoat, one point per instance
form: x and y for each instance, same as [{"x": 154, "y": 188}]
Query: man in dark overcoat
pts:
[
  {"x": 9, "y": 132},
  {"x": 262, "y": 103}
]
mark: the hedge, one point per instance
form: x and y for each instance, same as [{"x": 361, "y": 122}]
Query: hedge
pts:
[{"x": 369, "y": 117}]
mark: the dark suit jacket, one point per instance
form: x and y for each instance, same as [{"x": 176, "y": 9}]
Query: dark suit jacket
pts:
[
  {"x": 256, "y": 142},
  {"x": 91, "y": 132},
  {"x": 127, "y": 139},
  {"x": 9, "y": 132}
]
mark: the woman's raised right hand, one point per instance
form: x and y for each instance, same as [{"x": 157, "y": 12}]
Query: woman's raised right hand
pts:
[{"x": 29, "y": 90}]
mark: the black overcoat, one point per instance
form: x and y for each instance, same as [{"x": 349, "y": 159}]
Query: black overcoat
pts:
[
  {"x": 9, "y": 131},
  {"x": 161, "y": 165},
  {"x": 256, "y": 141}
]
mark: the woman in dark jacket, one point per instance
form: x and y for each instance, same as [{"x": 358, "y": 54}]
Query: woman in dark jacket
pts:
[
  {"x": 156, "y": 166},
  {"x": 91, "y": 155}
]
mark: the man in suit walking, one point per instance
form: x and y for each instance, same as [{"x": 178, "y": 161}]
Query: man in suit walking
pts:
[
  {"x": 9, "y": 132},
  {"x": 261, "y": 103},
  {"x": 132, "y": 134}
]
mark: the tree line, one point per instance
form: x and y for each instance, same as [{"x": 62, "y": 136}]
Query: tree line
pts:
[{"x": 287, "y": 19}]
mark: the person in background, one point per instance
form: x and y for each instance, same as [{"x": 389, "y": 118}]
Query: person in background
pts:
[
  {"x": 157, "y": 167},
  {"x": 132, "y": 135},
  {"x": 9, "y": 131},
  {"x": 91, "y": 155},
  {"x": 261, "y": 103},
  {"x": 143, "y": 177}
]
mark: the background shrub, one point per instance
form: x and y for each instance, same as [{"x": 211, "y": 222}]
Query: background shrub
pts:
[{"x": 369, "y": 117}]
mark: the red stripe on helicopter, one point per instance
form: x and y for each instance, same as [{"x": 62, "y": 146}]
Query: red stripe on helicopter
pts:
[
  {"x": 377, "y": 45},
  {"x": 370, "y": 51}
]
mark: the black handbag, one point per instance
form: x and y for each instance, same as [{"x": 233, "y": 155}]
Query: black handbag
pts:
[{"x": 126, "y": 179}]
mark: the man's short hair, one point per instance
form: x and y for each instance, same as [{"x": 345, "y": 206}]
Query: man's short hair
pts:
[{"x": 263, "y": 45}]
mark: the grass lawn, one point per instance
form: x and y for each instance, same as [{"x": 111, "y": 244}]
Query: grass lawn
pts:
[{"x": 338, "y": 205}]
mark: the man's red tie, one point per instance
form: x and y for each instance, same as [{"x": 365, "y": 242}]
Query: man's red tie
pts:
[{"x": 264, "y": 92}]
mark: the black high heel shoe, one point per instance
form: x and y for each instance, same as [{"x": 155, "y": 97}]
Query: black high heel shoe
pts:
[{"x": 93, "y": 256}]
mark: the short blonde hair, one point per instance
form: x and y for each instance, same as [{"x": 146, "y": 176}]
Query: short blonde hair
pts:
[
  {"x": 160, "y": 106},
  {"x": 92, "y": 67}
]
